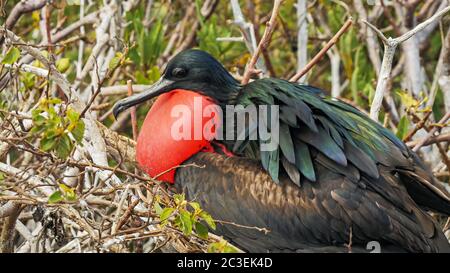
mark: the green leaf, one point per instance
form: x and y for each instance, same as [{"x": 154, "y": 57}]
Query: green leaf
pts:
[
  {"x": 115, "y": 62},
  {"x": 185, "y": 218},
  {"x": 221, "y": 247},
  {"x": 158, "y": 208},
  {"x": 141, "y": 79},
  {"x": 69, "y": 193},
  {"x": 154, "y": 74},
  {"x": 11, "y": 56},
  {"x": 402, "y": 128},
  {"x": 47, "y": 143},
  {"x": 72, "y": 115},
  {"x": 28, "y": 79},
  {"x": 64, "y": 147},
  {"x": 201, "y": 230},
  {"x": 55, "y": 197},
  {"x": 195, "y": 206},
  {"x": 408, "y": 100},
  {"x": 208, "y": 219},
  {"x": 78, "y": 131},
  {"x": 39, "y": 120},
  {"x": 165, "y": 214},
  {"x": 63, "y": 64},
  {"x": 178, "y": 198}
]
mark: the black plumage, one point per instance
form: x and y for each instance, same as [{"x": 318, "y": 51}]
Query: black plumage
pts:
[{"x": 335, "y": 171}]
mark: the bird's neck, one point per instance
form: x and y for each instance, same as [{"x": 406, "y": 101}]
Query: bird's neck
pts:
[{"x": 180, "y": 124}]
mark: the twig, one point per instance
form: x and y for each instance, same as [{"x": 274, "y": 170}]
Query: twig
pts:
[
  {"x": 7, "y": 235},
  {"x": 20, "y": 9},
  {"x": 323, "y": 51},
  {"x": 7, "y": 209},
  {"x": 133, "y": 112},
  {"x": 431, "y": 132},
  {"x": 264, "y": 230},
  {"x": 248, "y": 33},
  {"x": 431, "y": 140},
  {"x": 126, "y": 215},
  {"x": 418, "y": 126},
  {"x": 265, "y": 40},
  {"x": 122, "y": 89}
]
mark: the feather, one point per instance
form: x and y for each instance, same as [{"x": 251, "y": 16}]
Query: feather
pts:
[
  {"x": 303, "y": 160},
  {"x": 362, "y": 161},
  {"x": 324, "y": 143},
  {"x": 286, "y": 145},
  {"x": 291, "y": 170},
  {"x": 348, "y": 171}
]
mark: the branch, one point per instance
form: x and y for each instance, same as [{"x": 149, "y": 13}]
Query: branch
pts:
[
  {"x": 390, "y": 46},
  {"x": 133, "y": 112},
  {"x": 248, "y": 33},
  {"x": 302, "y": 36},
  {"x": 442, "y": 74},
  {"x": 21, "y": 8},
  {"x": 422, "y": 25},
  {"x": 8, "y": 229},
  {"x": 429, "y": 141},
  {"x": 323, "y": 51},
  {"x": 431, "y": 133},
  {"x": 265, "y": 40}
]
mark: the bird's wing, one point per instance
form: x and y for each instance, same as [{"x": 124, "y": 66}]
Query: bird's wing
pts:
[
  {"x": 319, "y": 216},
  {"x": 314, "y": 128}
]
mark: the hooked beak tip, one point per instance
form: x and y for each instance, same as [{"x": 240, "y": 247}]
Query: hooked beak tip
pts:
[{"x": 118, "y": 108}]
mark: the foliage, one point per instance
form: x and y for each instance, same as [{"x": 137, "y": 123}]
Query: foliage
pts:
[
  {"x": 57, "y": 133},
  {"x": 187, "y": 216},
  {"x": 11, "y": 56},
  {"x": 221, "y": 247},
  {"x": 64, "y": 193}
]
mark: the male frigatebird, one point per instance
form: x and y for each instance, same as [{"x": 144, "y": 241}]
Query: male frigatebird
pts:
[{"x": 334, "y": 174}]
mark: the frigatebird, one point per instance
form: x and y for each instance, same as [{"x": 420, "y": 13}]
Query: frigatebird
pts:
[{"x": 335, "y": 176}]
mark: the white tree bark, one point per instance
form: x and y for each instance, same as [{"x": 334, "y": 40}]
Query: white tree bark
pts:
[
  {"x": 248, "y": 32},
  {"x": 386, "y": 67},
  {"x": 302, "y": 37}
]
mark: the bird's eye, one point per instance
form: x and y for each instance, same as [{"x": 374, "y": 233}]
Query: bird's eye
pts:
[{"x": 179, "y": 72}]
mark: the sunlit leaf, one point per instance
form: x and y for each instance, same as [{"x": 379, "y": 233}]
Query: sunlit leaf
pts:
[
  {"x": 64, "y": 147},
  {"x": 55, "y": 197},
  {"x": 201, "y": 230},
  {"x": 165, "y": 214},
  {"x": 402, "y": 128},
  {"x": 68, "y": 193},
  {"x": 63, "y": 64},
  {"x": 11, "y": 56},
  {"x": 185, "y": 218},
  {"x": 48, "y": 143},
  {"x": 158, "y": 208},
  {"x": 208, "y": 219},
  {"x": 78, "y": 131}
]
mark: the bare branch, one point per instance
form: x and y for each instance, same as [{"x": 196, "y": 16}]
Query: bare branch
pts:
[
  {"x": 431, "y": 132},
  {"x": 386, "y": 66},
  {"x": 248, "y": 33},
  {"x": 265, "y": 40},
  {"x": 323, "y": 51}
]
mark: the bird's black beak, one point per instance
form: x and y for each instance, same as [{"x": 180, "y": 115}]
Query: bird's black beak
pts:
[{"x": 161, "y": 86}]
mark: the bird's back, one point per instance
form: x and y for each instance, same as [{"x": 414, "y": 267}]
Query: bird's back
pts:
[{"x": 323, "y": 216}]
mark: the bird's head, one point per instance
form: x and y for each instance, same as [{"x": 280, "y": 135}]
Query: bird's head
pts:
[
  {"x": 185, "y": 117},
  {"x": 193, "y": 70}
]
